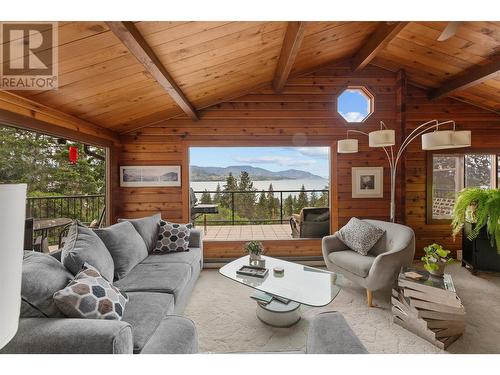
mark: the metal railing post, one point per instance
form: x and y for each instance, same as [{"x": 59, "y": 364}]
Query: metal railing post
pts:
[
  {"x": 281, "y": 207},
  {"x": 232, "y": 208}
]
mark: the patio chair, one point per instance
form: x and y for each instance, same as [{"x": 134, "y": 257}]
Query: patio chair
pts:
[{"x": 312, "y": 222}]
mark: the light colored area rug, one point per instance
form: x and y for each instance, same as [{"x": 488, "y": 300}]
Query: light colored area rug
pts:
[{"x": 226, "y": 322}]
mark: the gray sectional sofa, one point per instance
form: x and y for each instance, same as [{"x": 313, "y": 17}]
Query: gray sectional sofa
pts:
[{"x": 158, "y": 289}]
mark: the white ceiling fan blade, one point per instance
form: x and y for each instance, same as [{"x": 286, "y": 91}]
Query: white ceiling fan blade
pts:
[{"x": 449, "y": 31}]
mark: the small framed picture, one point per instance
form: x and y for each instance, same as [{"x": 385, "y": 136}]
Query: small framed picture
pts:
[
  {"x": 367, "y": 182},
  {"x": 150, "y": 176}
]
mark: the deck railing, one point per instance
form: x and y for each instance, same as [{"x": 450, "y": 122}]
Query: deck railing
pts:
[
  {"x": 84, "y": 208},
  {"x": 242, "y": 207}
]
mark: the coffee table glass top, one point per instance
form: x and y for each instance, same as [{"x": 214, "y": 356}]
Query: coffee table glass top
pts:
[{"x": 302, "y": 284}]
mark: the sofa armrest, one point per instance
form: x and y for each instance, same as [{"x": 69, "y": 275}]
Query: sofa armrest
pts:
[
  {"x": 196, "y": 238},
  {"x": 70, "y": 336},
  {"x": 332, "y": 243}
]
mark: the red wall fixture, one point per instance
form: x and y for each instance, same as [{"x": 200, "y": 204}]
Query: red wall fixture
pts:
[{"x": 73, "y": 154}]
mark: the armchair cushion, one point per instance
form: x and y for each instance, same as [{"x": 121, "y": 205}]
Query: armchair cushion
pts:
[
  {"x": 359, "y": 235},
  {"x": 352, "y": 261}
]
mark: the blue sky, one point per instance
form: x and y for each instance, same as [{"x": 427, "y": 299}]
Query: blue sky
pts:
[
  {"x": 311, "y": 159},
  {"x": 353, "y": 105}
]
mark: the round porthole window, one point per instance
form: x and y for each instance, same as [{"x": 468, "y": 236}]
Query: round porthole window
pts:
[{"x": 355, "y": 104}]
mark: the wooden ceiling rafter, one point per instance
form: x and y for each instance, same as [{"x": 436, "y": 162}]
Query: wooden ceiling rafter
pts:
[
  {"x": 469, "y": 78},
  {"x": 377, "y": 41},
  {"x": 131, "y": 37},
  {"x": 292, "y": 41}
]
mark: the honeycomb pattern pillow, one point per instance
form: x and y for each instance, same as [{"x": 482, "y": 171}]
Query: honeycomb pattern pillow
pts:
[
  {"x": 173, "y": 237},
  {"x": 90, "y": 296},
  {"x": 360, "y": 235}
]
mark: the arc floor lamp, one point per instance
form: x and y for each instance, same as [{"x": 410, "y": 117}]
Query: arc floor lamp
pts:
[{"x": 386, "y": 139}]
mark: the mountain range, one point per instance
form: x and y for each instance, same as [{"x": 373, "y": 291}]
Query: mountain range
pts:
[{"x": 257, "y": 174}]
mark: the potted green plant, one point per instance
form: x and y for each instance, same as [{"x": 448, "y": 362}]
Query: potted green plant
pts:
[
  {"x": 436, "y": 258},
  {"x": 480, "y": 207},
  {"x": 254, "y": 249}
]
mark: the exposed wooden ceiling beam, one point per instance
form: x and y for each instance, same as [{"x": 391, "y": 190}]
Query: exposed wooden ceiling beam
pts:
[
  {"x": 291, "y": 44},
  {"x": 378, "y": 40},
  {"x": 56, "y": 122},
  {"x": 471, "y": 77},
  {"x": 137, "y": 45}
]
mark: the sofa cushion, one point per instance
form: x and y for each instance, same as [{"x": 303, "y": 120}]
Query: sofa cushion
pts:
[
  {"x": 352, "y": 261},
  {"x": 359, "y": 235},
  {"x": 192, "y": 256},
  {"x": 91, "y": 296},
  {"x": 175, "y": 335},
  {"x": 84, "y": 246},
  {"x": 173, "y": 237},
  {"x": 145, "y": 311},
  {"x": 147, "y": 227},
  {"x": 157, "y": 277},
  {"x": 42, "y": 276},
  {"x": 126, "y": 246}
]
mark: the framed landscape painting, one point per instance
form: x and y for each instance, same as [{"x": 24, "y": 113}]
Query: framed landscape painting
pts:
[
  {"x": 367, "y": 182},
  {"x": 150, "y": 176}
]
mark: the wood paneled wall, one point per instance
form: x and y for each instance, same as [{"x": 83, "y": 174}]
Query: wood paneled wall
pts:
[
  {"x": 304, "y": 114},
  {"x": 485, "y": 126}
]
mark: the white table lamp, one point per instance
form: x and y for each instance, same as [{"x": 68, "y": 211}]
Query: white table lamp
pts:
[{"x": 12, "y": 208}]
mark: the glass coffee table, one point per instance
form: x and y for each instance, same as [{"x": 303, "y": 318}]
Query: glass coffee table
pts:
[{"x": 298, "y": 284}]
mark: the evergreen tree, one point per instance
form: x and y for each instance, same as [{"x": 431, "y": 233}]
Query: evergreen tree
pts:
[
  {"x": 262, "y": 207},
  {"x": 206, "y": 198},
  {"x": 245, "y": 202},
  {"x": 288, "y": 205},
  {"x": 301, "y": 200},
  {"x": 273, "y": 203},
  {"x": 323, "y": 198},
  {"x": 218, "y": 195},
  {"x": 313, "y": 199},
  {"x": 230, "y": 185},
  {"x": 42, "y": 162}
]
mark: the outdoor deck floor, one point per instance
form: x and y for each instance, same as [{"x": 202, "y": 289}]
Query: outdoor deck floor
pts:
[{"x": 247, "y": 232}]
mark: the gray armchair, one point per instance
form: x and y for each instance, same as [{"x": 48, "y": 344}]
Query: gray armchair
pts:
[{"x": 381, "y": 266}]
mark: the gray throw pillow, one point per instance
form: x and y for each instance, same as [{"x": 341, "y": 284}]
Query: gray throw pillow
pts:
[
  {"x": 359, "y": 235},
  {"x": 91, "y": 296},
  {"x": 43, "y": 275},
  {"x": 173, "y": 237},
  {"x": 125, "y": 245},
  {"x": 147, "y": 227},
  {"x": 84, "y": 246}
]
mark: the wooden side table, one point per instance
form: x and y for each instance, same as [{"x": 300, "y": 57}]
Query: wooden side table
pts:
[{"x": 429, "y": 307}]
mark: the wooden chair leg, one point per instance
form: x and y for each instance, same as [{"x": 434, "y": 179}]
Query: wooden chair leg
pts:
[{"x": 369, "y": 297}]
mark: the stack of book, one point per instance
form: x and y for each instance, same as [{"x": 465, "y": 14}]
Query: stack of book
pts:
[{"x": 428, "y": 306}]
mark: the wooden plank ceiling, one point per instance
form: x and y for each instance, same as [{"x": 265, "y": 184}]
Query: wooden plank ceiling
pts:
[{"x": 101, "y": 81}]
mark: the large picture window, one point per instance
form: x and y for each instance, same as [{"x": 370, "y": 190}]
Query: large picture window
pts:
[{"x": 450, "y": 173}]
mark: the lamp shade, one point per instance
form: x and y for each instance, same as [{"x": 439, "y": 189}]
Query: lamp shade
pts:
[
  {"x": 382, "y": 138},
  {"x": 445, "y": 139},
  {"x": 347, "y": 146},
  {"x": 462, "y": 138},
  {"x": 12, "y": 207}
]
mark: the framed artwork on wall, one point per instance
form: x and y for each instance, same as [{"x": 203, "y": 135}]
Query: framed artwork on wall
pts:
[
  {"x": 150, "y": 176},
  {"x": 367, "y": 182}
]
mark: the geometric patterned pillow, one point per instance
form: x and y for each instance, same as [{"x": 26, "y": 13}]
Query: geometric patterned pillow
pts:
[
  {"x": 91, "y": 296},
  {"x": 359, "y": 235},
  {"x": 173, "y": 237}
]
